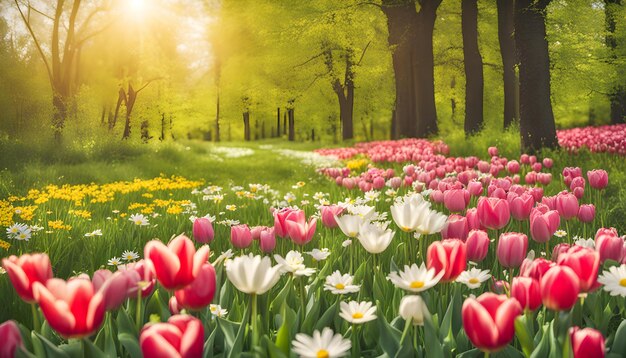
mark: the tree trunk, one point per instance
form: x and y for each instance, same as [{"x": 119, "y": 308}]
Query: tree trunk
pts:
[
  {"x": 217, "y": 117},
  {"x": 401, "y": 24},
  {"x": 285, "y": 123},
  {"x": 536, "y": 117},
  {"x": 506, "y": 29},
  {"x": 473, "y": 64},
  {"x": 278, "y": 121},
  {"x": 246, "y": 126},
  {"x": 617, "y": 94},
  {"x": 424, "y": 66},
  {"x": 292, "y": 132}
]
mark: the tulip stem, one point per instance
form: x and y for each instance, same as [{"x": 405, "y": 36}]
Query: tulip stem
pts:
[
  {"x": 36, "y": 323},
  {"x": 138, "y": 311},
  {"x": 255, "y": 331},
  {"x": 407, "y": 326},
  {"x": 486, "y": 354},
  {"x": 548, "y": 248}
]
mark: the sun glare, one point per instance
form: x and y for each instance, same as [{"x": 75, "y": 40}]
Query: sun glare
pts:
[{"x": 137, "y": 7}]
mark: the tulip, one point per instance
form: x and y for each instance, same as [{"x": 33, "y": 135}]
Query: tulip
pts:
[
  {"x": 203, "y": 230},
  {"x": 489, "y": 320},
  {"x": 512, "y": 167},
  {"x": 116, "y": 287},
  {"x": 475, "y": 188},
  {"x": 493, "y": 151},
  {"x": 374, "y": 238},
  {"x": 413, "y": 308},
  {"x": 448, "y": 256},
  {"x": 173, "y": 306},
  {"x": 500, "y": 287},
  {"x": 521, "y": 206},
  {"x": 536, "y": 167},
  {"x": 512, "y": 248},
  {"x": 456, "y": 200},
  {"x": 535, "y": 268},
  {"x": 267, "y": 240},
  {"x": 578, "y": 182},
  {"x": 610, "y": 247},
  {"x": 527, "y": 292},
  {"x": 200, "y": 292},
  {"x": 25, "y": 270},
  {"x": 279, "y": 221},
  {"x": 146, "y": 273},
  {"x": 300, "y": 231},
  {"x": 477, "y": 245},
  {"x": 493, "y": 213},
  {"x": 240, "y": 236},
  {"x": 558, "y": 250},
  {"x": 585, "y": 263},
  {"x": 559, "y": 288},
  {"x": 455, "y": 228},
  {"x": 253, "y": 274},
  {"x": 328, "y": 213},
  {"x": 587, "y": 342},
  {"x": 598, "y": 179},
  {"x": 567, "y": 205},
  {"x": 11, "y": 339},
  {"x": 182, "y": 336},
  {"x": 606, "y": 231},
  {"x": 177, "y": 264},
  {"x": 473, "y": 222},
  {"x": 586, "y": 213},
  {"x": 544, "y": 225},
  {"x": 548, "y": 163},
  {"x": 74, "y": 308},
  {"x": 255, "y": 232}
]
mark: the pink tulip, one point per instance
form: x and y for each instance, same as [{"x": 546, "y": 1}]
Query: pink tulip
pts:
[
  {"x": 473, "y": 222},
  {"x": 116, "y": 287},
  {"x": 240, "y": 236},
  {"x": 493, "y": 213},
  {"x": 279, "y": 221},
  {"x": 610, "y": 247},
  {"x": 448, "y": 256},
  {"x": 586, "y": 213},
  {"x": 567, "y": 205},
  {"x": 544, "y": 225},
  {"x": 475, "y": 188},
  {"x": 456, "y": 200},
  {"x": 267, "y": 240},
  {"x": 512, "y": 249},
  {"x": 558, "y": 250},
  {"x": 585, "y": 263},
  {"x": 548, "y": 163},
  {"x": 578, "y": 182},
  {"x": 74, "y": 308},
  {"x": 489, "y": 320},
  {"x": 203, "y": 230},
  {"x": 477, "y": 244},
  {"x": 527, "y": 292},
  {"x": 328, "y": 213},
  {"x": 587, "y": 342},
  {"x": 500, "y": 287},
  {"x": 146, "y": 273},
  {"x": 524, "y": 159},
  {"x": 535, "y": 268},
  {"x": 348, "y": 183},
  {"x": 512, "y": 167},
  {"x": 25, "y": 270},
  {"x": 200, "y": 292},
  {"x": 181, "y": 337},
  {"x": 177, "y": 264},
  {"x": 11, "y": 339},
  {"x": 521, "y": 205},
  {"x": 300, "y": 231},
  {"x": 493, "y": 151},
  {"x": 559, "y": 288},
  {"x": 455, "y": 228},
  {"x": 536, "y": 167},
  {"x": 598, "y": 179}
]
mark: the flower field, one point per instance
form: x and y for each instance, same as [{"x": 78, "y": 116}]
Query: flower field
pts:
[{"x": 395, "y": 248}]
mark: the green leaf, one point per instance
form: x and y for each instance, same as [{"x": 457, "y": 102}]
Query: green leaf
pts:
[
  {"x": 327, "y": 317},
  {"x": 524, "y": 336},
  {"x": 275, "y": 352},
  {"x": 131, "y": 345},
  {"x": 434, "y": 347},
  {"x": 49, "y": 349},
  {"x": 619, "y": 342},
  {"x": 389, "y": 337},
  {"x": 543, "y": 348},
  {"x": 91, "y": 350},
  {"x": 208, "y": 345},
  {"x": 124, "y": 324},
  {"x": 283, "y": 336}
]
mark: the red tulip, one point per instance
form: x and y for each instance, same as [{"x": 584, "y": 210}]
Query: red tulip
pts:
[
  {"x": 535, "y": 268},
  {"x": 200, "y": 292},
  {"x": 512, "y": 249},
  {"x": 177, "y": 264},
  {"x": 598, "y": 179},
  {"x": 203, "y": 230},
  {"x": 279, "y": 221},
  {"x": 585, "y": 263},
  {"x": 455, "y": 228},
  {"x": 567, "y": 205},
  {"x": 328, "y": 213},
  {"x": 73, "y": 308},
  {"x": 610, "y": 247},
  {"x": 448, "y": 256},
  {"x": 181, "y": 337},
  {"x": 116, "y": 287},
  {"x": 489, "y": 320},
  {"x": 25, "y": 270},
  {"x": 477, "y": 245},
  {"x": 586, "y": 213},
  {"x": 559, "y": 288},
  {"x": 493, "y": 213},
  {"x": 587, "y": 342},
  {"x": 544, "y": 225},
  {"x": 240, "y": 236},
  {"x": 173, "y": 306},
  {"x": 11, "y": 339},
  {"x": 527, "y": 292}
]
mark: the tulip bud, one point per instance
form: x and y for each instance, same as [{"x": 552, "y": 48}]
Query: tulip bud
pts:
[
  {"x": 587, "y": 342},
  {"x": 512, "y": 167},
  {"x": 567, "y": 205},
  {"x": 586, "y": 213},
  {"x": 610, "y": 247},
  {"x": 455, "y": 228},
  {"x": 527, "y": 292},
  {"x": 413, "y": 308},
  {"x": 598, "y": 179},
  {"x": 456, "y": 200},
  {"x": 493, "y": 213},
  {"x": 559, "y": 288},
  {"x": 548, "y": 163},
  {"x": 11, "y": 339},
  {"x": 477, "y": 244},
  {"x": 493, "y": 151},
  {"x": 203, "y": 230},
  {"x": 267, "y": 240},
  {"x": 240, "y": 236},
  {"x": 512, "y": 248}
]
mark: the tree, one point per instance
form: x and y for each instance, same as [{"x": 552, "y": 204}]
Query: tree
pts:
[
  {"x": 537, "y": 128},
  {"x": 617, "y": 94},
  {"x": 506, "y": 27},
  {"x": 473, "y": 64}
]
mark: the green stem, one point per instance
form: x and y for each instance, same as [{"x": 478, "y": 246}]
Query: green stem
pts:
[
  {"x": 138, "y": 320},
  {"x": 407, "y": 327},
  {"x": 356, "y": 349},
  {"x": 36, "y": 323},
  {"x": 255, "y": 331},
  {"x": 486, "y": 354}
]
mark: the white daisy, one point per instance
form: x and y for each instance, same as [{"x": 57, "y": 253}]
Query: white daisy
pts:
[
  {"x": 339, "y": 284},
  {"x": 415, "y": 278},
  {"x": 357, "y": 312},
  {"x": 346, "y": 243},
  {"x": 114, "y": 261},
  {"x": 139, "y": 220},
  {"x": 319, "y": 255},
  {"x": 325, "y": 344},
  {"x": 94, "y": 233},
  {"x": 560, "y": 233},
  {"x": 218, "y": 311},
  {"x": 130, "y": 255},
  {"x": 473, "y": 277},
  {"x": 23, "y": 235},
  {"x": 590, "y": 243},
  {"x": 614, "y": 280},
  {"x": 294, "y": 262}
]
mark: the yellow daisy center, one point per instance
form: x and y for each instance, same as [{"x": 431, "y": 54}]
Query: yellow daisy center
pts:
[
  {"x": 405, "y": 228},
  {"x": 340, "y": 286},
  {"x": 417, "y": 284},
  {"x": 474, "y": 280},
  {"x": 322, "y": 353},
  {"x": 357, "y": 315},
  {"x": 622, "y": 282}
]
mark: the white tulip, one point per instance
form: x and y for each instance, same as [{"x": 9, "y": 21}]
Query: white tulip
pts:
[
  {"x": 253, "y": 274},
  {"x": 413, "y": 308},
  {"x": 374, "y": 238},
  {"x": 349, "y": 224}
]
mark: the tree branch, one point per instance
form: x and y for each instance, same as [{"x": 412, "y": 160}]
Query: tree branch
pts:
[
  {"x": 32, "y": 34},
  {"x": 363, "y": 53}
]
